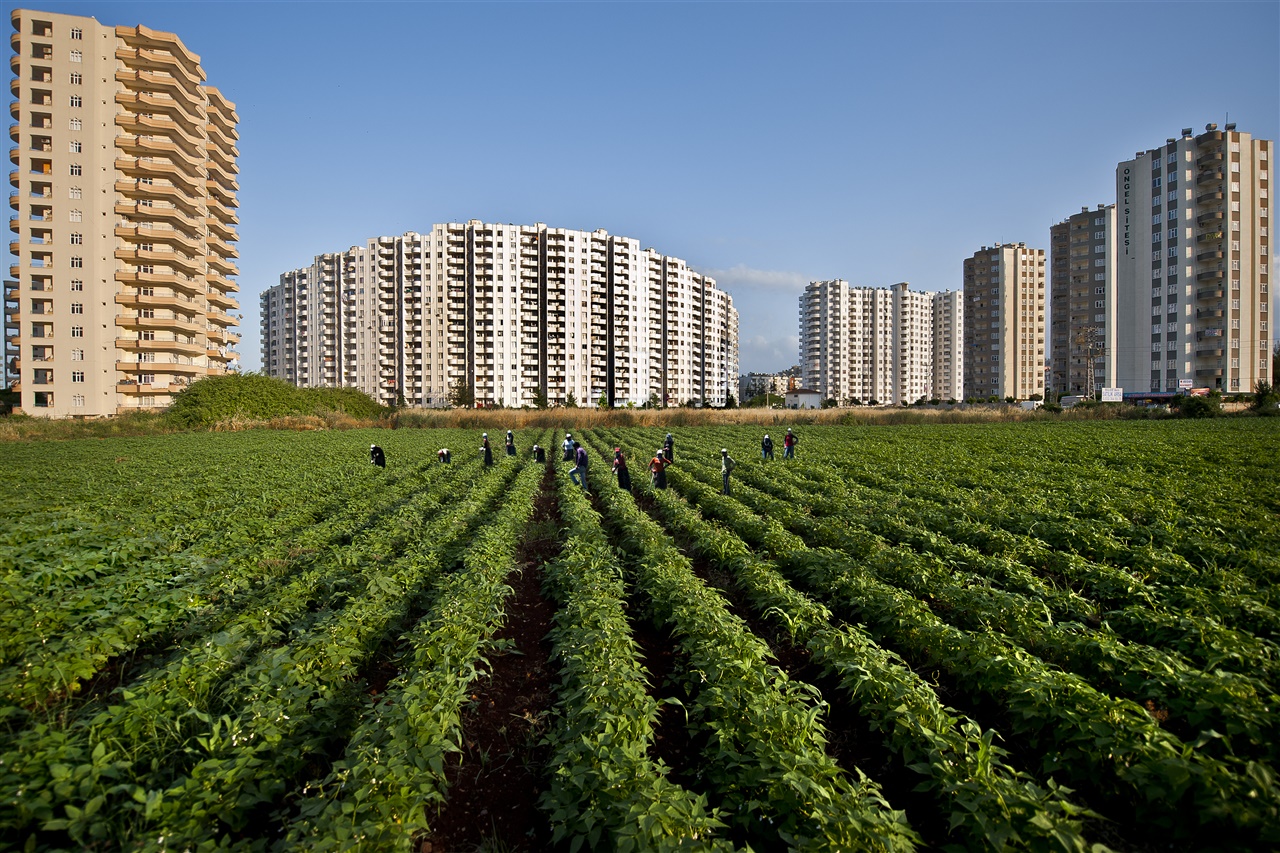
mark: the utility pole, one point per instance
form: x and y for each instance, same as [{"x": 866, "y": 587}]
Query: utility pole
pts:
[{"x": 1087, "y": 343}]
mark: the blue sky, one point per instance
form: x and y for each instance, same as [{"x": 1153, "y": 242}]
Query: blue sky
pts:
[{"x": 767, "y": 143}]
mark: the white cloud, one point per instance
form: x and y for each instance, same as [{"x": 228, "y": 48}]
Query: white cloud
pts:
[{"x": 744, "y": 277}]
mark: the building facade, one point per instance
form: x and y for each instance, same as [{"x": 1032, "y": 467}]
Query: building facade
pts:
[
  {"x": 496, "y": 314},
  {"x": 1004, "y": 307},
  {"x": 882, "y": 345},
  {"x": 1192, "y": 275},
  {"x": 124, "y": 195},
  {"x": 1082, "y": 332}
]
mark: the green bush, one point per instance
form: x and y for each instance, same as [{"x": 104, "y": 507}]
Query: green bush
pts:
[{"x": 256, "y": 397}]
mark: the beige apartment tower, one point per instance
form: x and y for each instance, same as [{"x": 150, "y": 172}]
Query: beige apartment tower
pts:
[
  {"x": 880, "y": 345},
  {"x": 1004, "y": 296},
  {"x": 123, "y": 195},
  {"x": 504, "y": 314},
  {"x": 1193, "y": 256},
  {"x": 1082, "y": 333}
]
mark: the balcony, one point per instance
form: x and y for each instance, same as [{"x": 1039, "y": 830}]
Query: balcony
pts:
[
  {"x": 138, "y": 345},
  {"x": 1210, "y": 237},
  {"x": 1210, "y": 197},
  {"x": 1212, "y": 217},
  {"x": 1209, "y": 352},
  {"x": 1209, "y": 372},
  {"x": 1209, "y": 177},
  {"x": 1211, "y": 255},
  {"x": 1209, "y": 293},
  {"x": 190, "y": 327},
  {"x": 1209, "y": 159},
  {"x": 1210, "y": 275},
  {"x": 186, "y": 284}
]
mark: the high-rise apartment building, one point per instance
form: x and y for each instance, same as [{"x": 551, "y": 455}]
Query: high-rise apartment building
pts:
[
  {"x": 124, "y": 197},
  {"x": 1082, "y": 333},
  {"x": 503, "y": 313},
  {"x": 1004, "y": 296},
  {"x": 1192, "y": 271},
  {"x": 887, "y": 345}
]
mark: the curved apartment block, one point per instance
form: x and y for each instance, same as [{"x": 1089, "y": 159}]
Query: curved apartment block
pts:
[
  {"x": 123, "y": 197},
  {"x": 504, "y": 314}
]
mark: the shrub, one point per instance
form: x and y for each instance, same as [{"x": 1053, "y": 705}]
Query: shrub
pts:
[{"x": 254, "y": 397}]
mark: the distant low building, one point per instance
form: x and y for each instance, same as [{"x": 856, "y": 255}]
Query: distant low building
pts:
[
  {"x": 804, "y": 398},
  {"x": 753, "y": 385}
]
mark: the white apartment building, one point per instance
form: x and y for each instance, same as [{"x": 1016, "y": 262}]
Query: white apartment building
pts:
[
  {"x": 504, "y": 312},
  {"x": 1193, "y": 256},
  {"x": 1082, "y": 293},
  {"x": 120, "y": 291},
  {"x": 886, "y": 345},
  {"x": 1004, "y": 326}
]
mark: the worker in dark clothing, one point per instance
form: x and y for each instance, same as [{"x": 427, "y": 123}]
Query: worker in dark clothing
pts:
[
  {"x": 669, "y": 449},
  {"x": 486, "y": 450},
  {"x": 726, "y": 468},
  {"x": 766, "y": 448},
  {"x": 511, "y": 444},
  {"x": 377, "y": 457},
  {"x": 620, "y": 469},
  {"x": 539, "y": 454},
  {"x": 443, "y": 454},
  {"x": 579, "y": 473},
  {"x": 658, "y": 469}
]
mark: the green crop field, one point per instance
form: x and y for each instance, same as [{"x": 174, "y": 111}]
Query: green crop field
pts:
[{"x": 1045, "y": 636}]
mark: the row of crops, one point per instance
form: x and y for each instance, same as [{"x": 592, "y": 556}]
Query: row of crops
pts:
[{"x": 1013, "y": 636}]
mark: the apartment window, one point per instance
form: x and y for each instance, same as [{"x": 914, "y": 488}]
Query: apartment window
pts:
[
  {"x": 76, "y": 170},
  {"x": 77, "y": 284},
  {"x": 75, "y": 147},
  {"x": 77, "y": 376},
  {"x": 77, "y": 307},
  {"x": 77, "y": 400},
  {"x": 77, "y": 34},
  {"x": 76, "y": 78},
  {"x": 76, "y": 216},
  {"x": 77, "y": 239},
  {"x": 77, "y": 355},
  {"x": 77, "y": 331},
  {"x": 147, "y": 335},
  {"x": 43, "y": 399},
  {"x": 77, "y": 263},
  {"x": 75, "y": 124},
  {"x": 1099, "y": 304},
  {"x": 73, "y": 192},
  {"x": 77, "y": 101},
  {"x": 77, "y": 56}
]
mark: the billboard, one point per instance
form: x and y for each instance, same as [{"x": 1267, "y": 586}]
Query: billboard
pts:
[{"x": 1113, "y": 395}]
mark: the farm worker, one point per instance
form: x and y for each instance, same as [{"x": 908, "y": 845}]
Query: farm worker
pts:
[
  {"x": 511, "y": 444},
  {"x": 443, "y": 454},
  {"x": 789, "y": 445},
  {"x": 377, "y": 457},
  {"x": 620, "y": 468},
  {"x": 726, "y": 467},
  {"x": 486, "y": 450},
  {"x": 539, "y": 454},
  {"x": 766, "y": 448},
  {"x": 669, "y": 448},
  {"x": 579, "y": 473},
  {"x": 567, "y": 446},
  {"x": 658, "y": 469}
]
